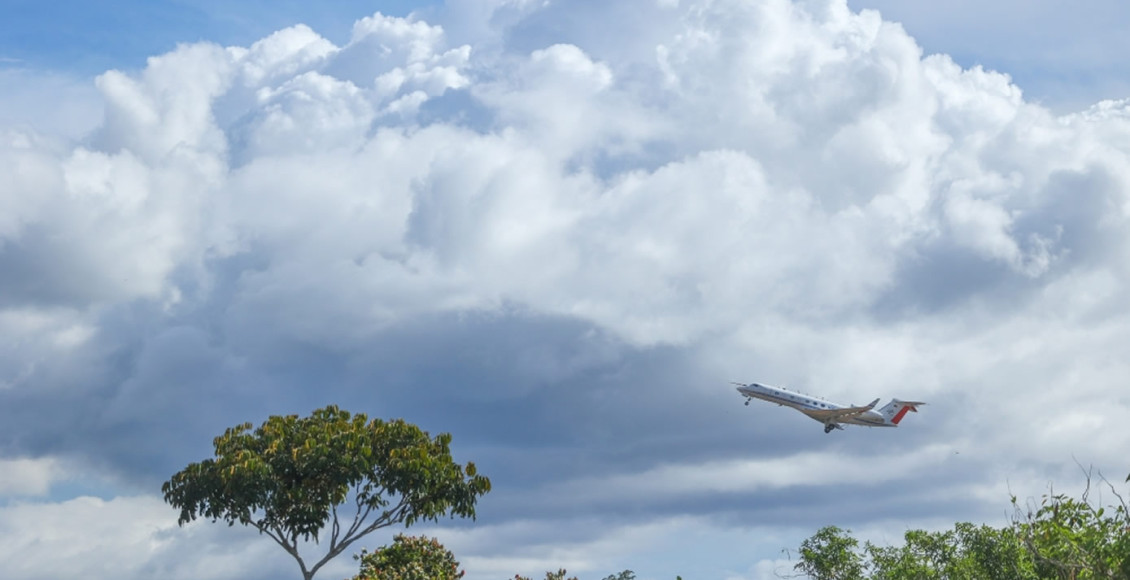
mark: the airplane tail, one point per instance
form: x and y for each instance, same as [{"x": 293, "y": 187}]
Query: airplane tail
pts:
[{"x": 894, "y": 411}]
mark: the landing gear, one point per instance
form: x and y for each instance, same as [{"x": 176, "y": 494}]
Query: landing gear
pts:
[
  {"x": 747, "y": 402},
  {"x": 828, "y": 428}
]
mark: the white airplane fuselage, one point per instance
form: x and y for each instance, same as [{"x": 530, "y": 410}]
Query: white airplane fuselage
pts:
[{"x": 832, "y": 415}]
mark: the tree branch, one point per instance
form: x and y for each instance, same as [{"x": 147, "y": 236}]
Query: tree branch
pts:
[
  {"x": 359, "y": 519},
  {"x": 280, "y": 539},
  {"x": 357, "y": 515},
  {"x": 336, "y": 527},
  {"x": 387, "y": 518}
]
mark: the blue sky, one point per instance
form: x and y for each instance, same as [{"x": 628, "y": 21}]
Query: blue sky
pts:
[
  {"x": 90, "y": 37},
  {"x": 558, "y": 230}
]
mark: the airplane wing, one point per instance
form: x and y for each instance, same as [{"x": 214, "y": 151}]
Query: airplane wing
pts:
[{"x": 834, "y": 415}]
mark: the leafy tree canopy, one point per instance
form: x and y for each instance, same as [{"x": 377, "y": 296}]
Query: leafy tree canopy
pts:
[
  {"x": 409, "y": 558},
  {"x": 1057, "y": 538},
  {"x": 1076, "y": 539},
  {"x": 288, "y": 477},
  {"x": 967, "y": 552},
  {"x": 830, "y": 554}
]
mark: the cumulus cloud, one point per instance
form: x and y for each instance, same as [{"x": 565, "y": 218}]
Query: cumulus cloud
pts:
[{"x": 560, "y": 243}]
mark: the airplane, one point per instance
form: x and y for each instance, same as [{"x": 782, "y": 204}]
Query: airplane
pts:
[{"x": 833, "y": 416}]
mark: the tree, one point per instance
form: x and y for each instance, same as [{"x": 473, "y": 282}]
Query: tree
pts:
[
  {"x": 409, "y": 558},
  {"x": 1074, "y": 538},
  {"x": 967, "y": 552},
  {"x": 288, "y": 478},
  {"x": 924, "y": 555},
  {"x": 1059, "y": 537},
  {"x": 989, "y": 552},
  {"x": 830, "y": 554},
  {"x": 625, "y": 575}
]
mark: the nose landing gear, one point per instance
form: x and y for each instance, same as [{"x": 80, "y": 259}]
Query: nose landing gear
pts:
[{"x": 828, "y": 427}]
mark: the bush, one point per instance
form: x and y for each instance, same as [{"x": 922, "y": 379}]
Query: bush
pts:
[{"x": 409, "y": 558}]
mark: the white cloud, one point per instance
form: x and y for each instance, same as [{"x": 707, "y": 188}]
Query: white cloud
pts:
[
  {"x": 167, "y": 112},
  {"x": 283, "y": 55},
  {"x": 309, "y": 113},
  {"x": 817, "y": 154},
  {"x": 398, "y": 56}
]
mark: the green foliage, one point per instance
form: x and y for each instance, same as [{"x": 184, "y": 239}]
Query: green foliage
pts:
[
  {"x": 625, "y": 575},
  {"x": 830, "y": 554},
  {"x": 1074, "y": 538},
  {"x": 988, "y": 552},
  {"x": 967, "y": 552},
  {"x": 1058, "y": 538},
  {"x": 409, "y": 558},
  {"x": 288, "y": 477}
]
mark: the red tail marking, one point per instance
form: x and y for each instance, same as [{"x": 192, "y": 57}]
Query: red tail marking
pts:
[{"x": 898, "y": 416}]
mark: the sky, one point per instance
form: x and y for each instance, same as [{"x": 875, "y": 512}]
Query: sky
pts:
[{"x": 557, "y": 230}]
